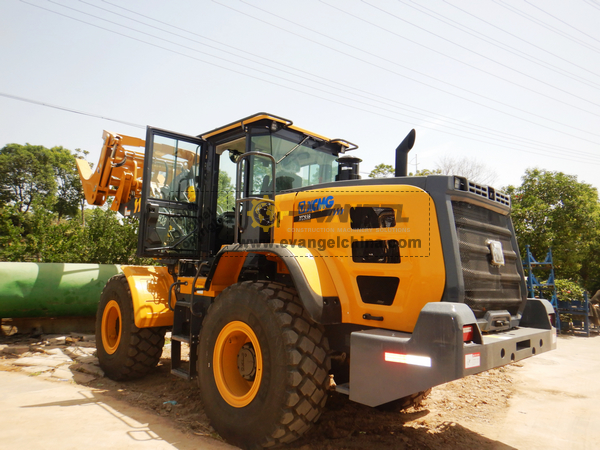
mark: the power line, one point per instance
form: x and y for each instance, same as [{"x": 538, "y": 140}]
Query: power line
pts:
[
  {"x": 287, "y": 87},
  {"x": 416, "y": 80},
  {"x": 427, "y": 114},
  {"x": 64, "y": 108},
  {"x": 475, "y": 53},
  {"x": 562, "y": 21},
  {"x": 520, "y": 38},
  {"x": 592, "y": 3},
  {"x": 545, "y": 25},
  {"x": 499, "y": 44}
]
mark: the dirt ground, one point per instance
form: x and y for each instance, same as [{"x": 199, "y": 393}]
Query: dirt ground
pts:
[{"x": 442, "y": 421}]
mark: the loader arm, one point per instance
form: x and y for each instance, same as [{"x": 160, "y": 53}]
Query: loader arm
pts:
[{"x": 118, "y": 173}]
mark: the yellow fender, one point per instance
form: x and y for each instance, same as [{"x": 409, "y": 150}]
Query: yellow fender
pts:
[
  {"x": 310, "y": 276},
  {"x": 149, "y": 293}
]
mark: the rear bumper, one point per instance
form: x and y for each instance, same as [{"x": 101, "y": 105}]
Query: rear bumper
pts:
[{"x": 388, "y": 365}]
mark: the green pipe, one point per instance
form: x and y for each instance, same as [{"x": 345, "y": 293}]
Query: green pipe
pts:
[{"x": 52, "y": 289}]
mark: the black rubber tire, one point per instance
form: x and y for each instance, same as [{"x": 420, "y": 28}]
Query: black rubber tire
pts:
[
  {"x": 293, "y": 388},
  {"x": 415, "y": 399},
  {"x": 138, "y": 349}
]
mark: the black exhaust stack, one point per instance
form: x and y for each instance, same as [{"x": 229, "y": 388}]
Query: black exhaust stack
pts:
[{"x": 402, "y": 153}]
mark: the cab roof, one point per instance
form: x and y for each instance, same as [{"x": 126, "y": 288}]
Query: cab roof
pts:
[{"x": 283, "y": 123}]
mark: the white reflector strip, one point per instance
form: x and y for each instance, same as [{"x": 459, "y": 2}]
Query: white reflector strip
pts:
[{"x": 414, "y": 360}]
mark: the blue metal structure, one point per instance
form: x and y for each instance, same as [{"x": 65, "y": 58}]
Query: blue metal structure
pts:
[
  {"x": 530, "y": 264},
  {"x": 579, "y": 310},
  {"x": 535, "y": 287},
  {"x": 544, "y": 289}
]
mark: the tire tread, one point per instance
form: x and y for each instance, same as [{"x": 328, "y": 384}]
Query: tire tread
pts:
[
  {"x": 306, "y": 358},
  {"x": 145, "y": 345}
]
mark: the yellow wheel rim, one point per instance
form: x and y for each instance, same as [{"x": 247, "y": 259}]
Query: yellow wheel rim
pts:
[
  {"x": 237, "y": 364},
  {"x": 111, "y": 327}
]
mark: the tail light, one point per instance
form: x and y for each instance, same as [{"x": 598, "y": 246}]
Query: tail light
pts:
[{"x": 467, "y": 333}]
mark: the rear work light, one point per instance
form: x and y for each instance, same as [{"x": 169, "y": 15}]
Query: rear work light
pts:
[
  {"x": 467, "y": 333},
  {"x": 414, "y": 360}
]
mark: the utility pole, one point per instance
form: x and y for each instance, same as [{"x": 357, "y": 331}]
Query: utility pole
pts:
[{"x": 416, "y": 164}]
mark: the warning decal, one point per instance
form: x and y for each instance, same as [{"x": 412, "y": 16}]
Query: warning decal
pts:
[{"x": 472, "y": 360}]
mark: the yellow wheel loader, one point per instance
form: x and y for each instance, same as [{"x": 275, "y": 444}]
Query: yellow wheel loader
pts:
[{"x": 287, "y": 275}]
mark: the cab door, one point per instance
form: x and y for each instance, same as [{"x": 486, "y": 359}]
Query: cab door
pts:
[{"x": 171, "y": 195}]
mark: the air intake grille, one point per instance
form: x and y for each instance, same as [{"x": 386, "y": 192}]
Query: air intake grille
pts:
[
  {"x": 487, "y": 287},
  {"x": 489, "y": 193}
]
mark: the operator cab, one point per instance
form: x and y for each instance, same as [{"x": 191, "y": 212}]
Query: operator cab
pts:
[
  {"x": 269, "y": 155},
  {"x": 189, "y": 207}
]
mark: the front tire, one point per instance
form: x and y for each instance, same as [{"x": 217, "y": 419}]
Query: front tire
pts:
[
  {"x": 262, "y": 365},
  {"x": 125, "y": 352}
]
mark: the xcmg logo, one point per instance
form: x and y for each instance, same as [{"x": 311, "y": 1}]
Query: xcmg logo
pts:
[{"x": 315, "y": 205}]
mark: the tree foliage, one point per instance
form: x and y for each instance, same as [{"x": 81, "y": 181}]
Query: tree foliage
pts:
[
  {"x": 567, "y": 290},
  {"x": 425, "y": 172},
  {"x": 387, "y": 171},
  {"x": 33, "y": 173},
  {"x": 226, "y": 193},
  {"x": 26, "y": 174},
  {"x": 552, "y": 209},
  {"x": 40, "y": 201},
  {"x": 111, "y": 239},
  {"x": 382, "y": 171}
]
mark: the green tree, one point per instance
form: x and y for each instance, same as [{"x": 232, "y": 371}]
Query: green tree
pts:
[
  {"x": 37, "y": 236},
  {"x": 109, "y": 238},
  {"x": 68, "y": 184},
  {"x": 590, "y": 268},
  {"x": 567, "y": 290},
  {"x": 26, "y": 173},
  {"x": 12, "y": 244},
  {"x": 425, "y": 172},
  {"x": 552, "y": 209},
  {"x": 40, "y": 199},
  {"x": 226, "y": 194},
  {"x": 382, "y": 171},
  {"x": 386, "y": 171},
  {"x": 33, "y": 173}
]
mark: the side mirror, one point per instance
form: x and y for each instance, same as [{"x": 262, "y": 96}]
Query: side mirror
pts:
[{"x": 234, "y": 156}]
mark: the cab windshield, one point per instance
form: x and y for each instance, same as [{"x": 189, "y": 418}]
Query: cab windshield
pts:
[{"x": 300, "y": 161}]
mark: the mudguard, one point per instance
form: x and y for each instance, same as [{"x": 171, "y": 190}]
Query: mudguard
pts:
[
  {"x": 149, "y": 287},
  {"x": 309, "y": 275}
]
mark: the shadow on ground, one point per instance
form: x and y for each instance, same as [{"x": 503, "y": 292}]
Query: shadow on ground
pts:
[{"x": 176, "y": 406}]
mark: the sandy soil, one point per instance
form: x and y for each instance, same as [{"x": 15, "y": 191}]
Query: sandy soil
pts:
[{"x": 442, "y": 421}]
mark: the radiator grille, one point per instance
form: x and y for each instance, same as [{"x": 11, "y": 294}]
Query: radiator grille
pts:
[{"x": 487, "y": 287}]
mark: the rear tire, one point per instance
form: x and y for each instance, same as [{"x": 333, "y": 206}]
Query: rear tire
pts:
[
  {"x": 125, "y": 352},
  {"x": 262, "y": 365}
]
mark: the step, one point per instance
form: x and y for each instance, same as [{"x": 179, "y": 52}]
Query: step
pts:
[
  {"x": 181, "y": 373},
  {"x": 181, "y": 338},
  {"x": 343, "y": 388},
  {"x": 183, "y": 304}
]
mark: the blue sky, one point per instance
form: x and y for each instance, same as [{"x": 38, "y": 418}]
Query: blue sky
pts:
[{"x": 512, "y": 84}]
